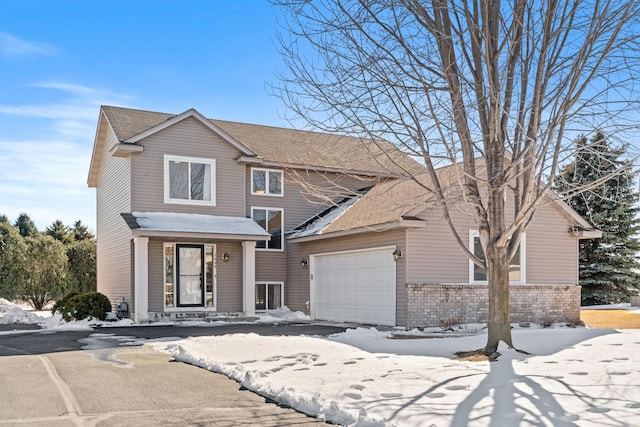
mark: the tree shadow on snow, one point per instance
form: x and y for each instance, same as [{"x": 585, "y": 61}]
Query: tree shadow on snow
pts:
[{"x": 505, "y": 398}]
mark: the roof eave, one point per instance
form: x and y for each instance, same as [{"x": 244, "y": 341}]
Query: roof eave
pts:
[
  {"x": 140, "y": 232},
  {"x": 400, "y": 224},
  {"x": 125, "y": 149},
  {"x": 582, "y": 233},
  {"x": 256, "y": 160},
  {"x": 96, "y": 153},
  {"x": 196, "y": 115}
]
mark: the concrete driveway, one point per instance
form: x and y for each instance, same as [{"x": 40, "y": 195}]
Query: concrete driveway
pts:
[{"x": 46, "y": 380}]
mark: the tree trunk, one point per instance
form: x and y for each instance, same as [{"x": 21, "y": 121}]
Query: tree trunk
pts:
[{"x": 498, "y": 261}]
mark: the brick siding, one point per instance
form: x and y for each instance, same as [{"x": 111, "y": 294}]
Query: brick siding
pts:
[{"x": 431, "y": 305}]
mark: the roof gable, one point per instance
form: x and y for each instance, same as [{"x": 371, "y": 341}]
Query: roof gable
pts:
[{"x": 272, "y": 145}]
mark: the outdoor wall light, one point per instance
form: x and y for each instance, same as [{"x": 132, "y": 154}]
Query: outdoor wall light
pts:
[
  {"x": 304, "y": 263},
  {"x": 225, "y": 257},
  {"x": 397, "y": 254}
]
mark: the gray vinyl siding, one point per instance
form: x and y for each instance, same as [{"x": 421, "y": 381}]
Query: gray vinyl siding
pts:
[
  {"x": 188, "y": 138},
  {"x": 297, "y": 208},
  {"x": 112, "y": 234},
  {"x": 434, "y": 256},
  {"x": 229, "y": 278},
  {"x": 432, "y": 253},
  {"x": 552, "y": 252},
  {"x": 298, "y": 287},
  {"x": 228, "y": 275},
  {"x": 271, "y": 265}
]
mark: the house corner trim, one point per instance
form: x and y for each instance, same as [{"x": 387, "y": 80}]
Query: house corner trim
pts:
[
  {"x": 141, "y": 278},
  {"x": 249, "y": 277}
]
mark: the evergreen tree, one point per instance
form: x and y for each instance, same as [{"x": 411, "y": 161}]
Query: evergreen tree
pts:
[
  {"x": 4, "y": 218},
  {"x": 608, "y": 266},
  {"x": 25, "y": 225},
  {"x": 81, "y": 232},
  {"x": 13, "y": 260},
  {"x": 46, "y": 277},
  {"x": 82, "y": 266},
  {"x": 59, "y": 232}
]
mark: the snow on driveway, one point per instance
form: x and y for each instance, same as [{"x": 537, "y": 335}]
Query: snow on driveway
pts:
[{"x": 363, "y": 377}]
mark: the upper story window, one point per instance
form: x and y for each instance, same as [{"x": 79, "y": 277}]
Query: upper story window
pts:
[
  {"x": 271, "y": 219},
  {"x": 189, "y": 180},
  {"x": 266, "y": 182},
  {"x": 516, "y": 266}
]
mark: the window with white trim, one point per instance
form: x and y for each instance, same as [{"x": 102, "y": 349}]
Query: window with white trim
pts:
[
  {"x": 269, "y": 296},
  {"x": 266, "y": 182},
  {"x": 517, "y": 265},
  {"x": 189, "y": 180},
  {"x": 189, "y": 275},
  {"x": 271, "y": 219}
]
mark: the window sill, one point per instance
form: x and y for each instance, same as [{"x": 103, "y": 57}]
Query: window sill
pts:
[
  {"x": 189, "y": 202},
  {"x": 267, "y": 194}
]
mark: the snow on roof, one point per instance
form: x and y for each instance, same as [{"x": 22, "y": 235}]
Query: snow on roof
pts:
[
  {"x": 193, "y": 223},
  {"x": 322, "y": 220}
]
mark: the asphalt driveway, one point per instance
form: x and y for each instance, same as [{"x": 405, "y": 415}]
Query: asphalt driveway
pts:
[{"x": 95, "y": 378}]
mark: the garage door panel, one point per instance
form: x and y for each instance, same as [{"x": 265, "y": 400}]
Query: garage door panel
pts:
[{"x": 355, "y": 287}]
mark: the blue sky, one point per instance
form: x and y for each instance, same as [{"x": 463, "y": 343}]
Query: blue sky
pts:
[{"x": 61, "y": 60}]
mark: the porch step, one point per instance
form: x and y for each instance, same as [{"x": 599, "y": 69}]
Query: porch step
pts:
[{"x": 204, "y": 316}]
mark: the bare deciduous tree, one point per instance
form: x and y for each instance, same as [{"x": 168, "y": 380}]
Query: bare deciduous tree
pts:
[{"x": 497, "y": 89}]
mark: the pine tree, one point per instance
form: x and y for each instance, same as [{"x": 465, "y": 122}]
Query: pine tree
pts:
[
  {"x": 46, "y": 277},
  {"x": 81, "y": 266},
  {"x": 81, "y": 232},
  {"x": 25, "y": 225},
  {"x": 59, "y": 232},
  {"x": 13, "y": 260},
  {"x": 608, "y": 266}
]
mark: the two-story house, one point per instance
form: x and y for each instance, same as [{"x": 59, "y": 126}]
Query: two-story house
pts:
[{"x": 200, "y": 217}]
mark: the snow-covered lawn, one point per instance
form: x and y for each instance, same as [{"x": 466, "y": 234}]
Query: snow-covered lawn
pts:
[
  {"x": 366, "y": 377},
  {"x": 577, "y": 377}
]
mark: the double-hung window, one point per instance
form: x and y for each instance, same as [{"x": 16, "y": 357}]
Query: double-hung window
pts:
[
  {"x": 269, "y": 296},
  {"x": 189, "y": 180},
  {"x": 517, "y": 265},
  {"x": 271, "y": 220},
  {"x": 266, "y": 182}
]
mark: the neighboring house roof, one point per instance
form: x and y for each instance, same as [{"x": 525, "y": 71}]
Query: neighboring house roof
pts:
[
  {"x": 265, "y": 145},
  {"x": 164, "y": 223}
]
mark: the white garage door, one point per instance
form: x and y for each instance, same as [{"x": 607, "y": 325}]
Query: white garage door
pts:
[{"x": 357, "y": 286}]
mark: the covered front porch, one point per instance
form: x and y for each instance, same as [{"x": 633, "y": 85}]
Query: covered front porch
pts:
[{"x": 192, "y": 265}]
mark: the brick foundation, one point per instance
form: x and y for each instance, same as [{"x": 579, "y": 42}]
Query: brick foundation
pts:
[{"x": 431, "y": 305}]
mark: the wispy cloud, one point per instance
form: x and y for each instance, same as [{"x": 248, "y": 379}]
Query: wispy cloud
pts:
[
  {"x": 80, "y": 103},
  {"x": 46, "y": 179},
  {"x": 45, "y": 173},
  {"x": 13, "y": 47}
]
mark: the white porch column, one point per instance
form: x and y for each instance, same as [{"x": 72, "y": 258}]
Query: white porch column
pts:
[
  {"x": 141, "y": 278},
  {"x": 249, "y": 278}
]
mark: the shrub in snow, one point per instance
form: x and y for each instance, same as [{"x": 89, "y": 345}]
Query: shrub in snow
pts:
[{"x": 82, "y": 306}]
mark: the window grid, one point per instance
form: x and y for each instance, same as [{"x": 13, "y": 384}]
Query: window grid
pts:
[
  {"x": 266, "y": 182},
  {"x": 189, "y": 180},
  {"x": 272, "y": 220}
]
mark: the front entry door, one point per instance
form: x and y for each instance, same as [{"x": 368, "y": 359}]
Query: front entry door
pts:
[{"x": 190, "y": 269}]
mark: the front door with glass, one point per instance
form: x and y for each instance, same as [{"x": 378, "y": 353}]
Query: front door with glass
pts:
[{"x": 190, "y": 275}]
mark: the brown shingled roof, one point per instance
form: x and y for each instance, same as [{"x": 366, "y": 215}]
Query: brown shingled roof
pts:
[
  {"x": 283, "y": 146},
  {"x": 127, "y": 122}
]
